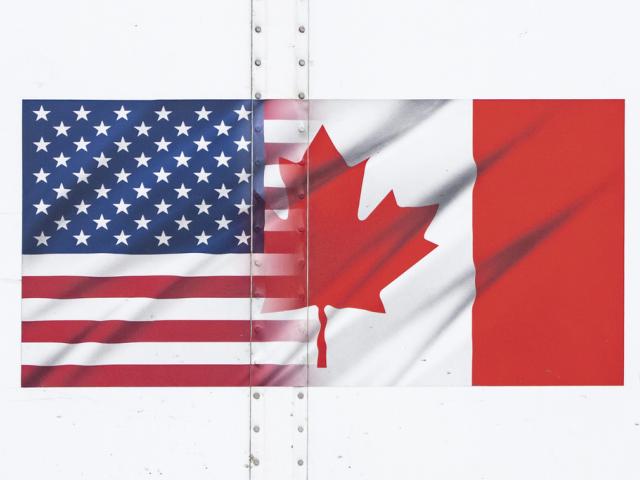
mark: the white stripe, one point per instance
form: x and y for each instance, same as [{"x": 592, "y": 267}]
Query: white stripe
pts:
[
  {"x": 273, "y": 178},
  {"x": 289, "y": 131},
  {"x": 146, "y": 309},
  {"x": 289, "y": 151},
  {"x": 182, "y": 264},
  {"x": 162, "y": 353}
]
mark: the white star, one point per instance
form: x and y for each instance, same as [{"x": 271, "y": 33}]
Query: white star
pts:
[
  {"x": 101, "y": 222},
  {"x": 182, "y": 191},
  {"x": 243, "y": 114},
  {"x": 122, "y": 113},
  {"x": 122, "y": 176},
  {"x": 142, "y": 160},
  {"x": 41, "y": 145},
  {"x": 102, "y": 160},
  {"x": 41, "y": 176},
  {"x": 122, "y": 145},
  {"x": 242, "y": 144},
  {"x": 223, "y": 191},
  {"x": 142, "y": 223},
  {"x": 41, "y": 207},
  {"x": 182, "y": 159},
  {"x": 244, "y": 238},
  {"x": 162, "y": 207},
  {"x": 163, "y": 239},
  {"x": 203, "y": 114},
  {"x": 102, "y": 129},
  {"x": 163, "y": 145},
  {"x": 82, "y": 207},
  {"x": 61, "y": 129},
  {"x": 142, "y": 191},
  {"x": 183, "y": 223},
  {"x": 61, "y": 191},
  {"x": 202, "y": 175},
  {"x": 243, "y": 176},
  {"x": 202, "y": 144},
  {"x": 203, "y": 238},
  {"x": 81, "y": 144},
  {"x": 163, "y": 114},
  {"x": 82, "y": 113},
  {"x": 81, "y": 238},
  {"x": 223, "y": 223},
  {"x": 82, "y": 176},
  {"x": 162, "y": 175},
  {"x": 41, "y": 113},
  {"x": 61, "y": 160},
  {"x": 122, "y": 207},
  {"x": 143, "y": 129},
  {"x": 222, "y": 159},
  {"x": 203, "y": 207},
  {"x": 102, "y": 192},
  {"x": 222, "y": 128},
  {"x": 62, "y": 223},
  {"x": 242, "y": 207},
  {"x": 182, "y": 129},
  {"x": 42, "y": 238},
  {"x": 122, "y": 238}
]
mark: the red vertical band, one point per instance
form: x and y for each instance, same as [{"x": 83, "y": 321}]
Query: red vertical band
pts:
[{"x": 548, "y": 223}]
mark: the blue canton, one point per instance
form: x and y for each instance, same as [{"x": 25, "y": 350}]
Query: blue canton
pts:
[{"x": 139, "y": 177}]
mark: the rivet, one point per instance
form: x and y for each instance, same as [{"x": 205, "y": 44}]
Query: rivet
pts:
[
  {"x": 301, "y": 229},
  {"x": 258, "y": 29},
  {"x": 301, "y": 195},
  {"x": 301, "y": 62},
  {"x": 257, "y": 263},
  {"x": 256, "y": 395},
  {"x": 301, "y": 127},
  {"x": 301, "y": 95},
  {"x": 301, "y": 263},
  {"x": 258, "y": 95},
  {"x": 256, "y": 428},
  {"x": 256, "y": 461},
  {"x": 300, "y": 462},
  {"x": 257, "y": 163},
  {"x": 301, "y": 29},
  {"x": 257, "y": 228},
  {"x": 258, "y": 62},
  {"x": 258, "y": 128},
  {"x": 300, "y": 395},
  {"x": 301, "y": 429}
]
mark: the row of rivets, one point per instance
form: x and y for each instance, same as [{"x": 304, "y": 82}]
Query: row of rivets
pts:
[{"x": 258, "y": 62}]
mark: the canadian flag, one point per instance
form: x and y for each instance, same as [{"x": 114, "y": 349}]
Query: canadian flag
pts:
[{"x": 452, "y": 242}]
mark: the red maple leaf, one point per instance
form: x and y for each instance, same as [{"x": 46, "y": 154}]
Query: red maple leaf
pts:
[{"x": 349, "y": 260}]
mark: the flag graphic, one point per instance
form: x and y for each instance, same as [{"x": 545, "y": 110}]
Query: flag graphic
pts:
[{"x": 277, "y": 242}]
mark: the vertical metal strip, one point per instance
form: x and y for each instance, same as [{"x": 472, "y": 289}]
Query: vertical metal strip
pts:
[
  {"x": 256, "y": 29},
  {"x": 304, "y": 65},
  {"x": 279, "y": 70},
  {"x": 301, "y": 435}
]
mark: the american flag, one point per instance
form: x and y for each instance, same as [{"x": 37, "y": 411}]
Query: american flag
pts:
[{"x": 144, "y": 231}]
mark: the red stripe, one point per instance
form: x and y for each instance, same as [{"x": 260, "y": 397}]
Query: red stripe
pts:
[
  {"x": 285, "y": 109},
  {"x": 276, "y": 198},
  {"x": 163, "y": 375},
  {"x": 66, "y": 287},
  {"x": 548, "y": 216},
  {"x": 119, "y": 331},
  {"x": 284, "y": 242}
]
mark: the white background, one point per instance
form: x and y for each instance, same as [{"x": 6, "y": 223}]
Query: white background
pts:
[{"x": 359, "y": 49}]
